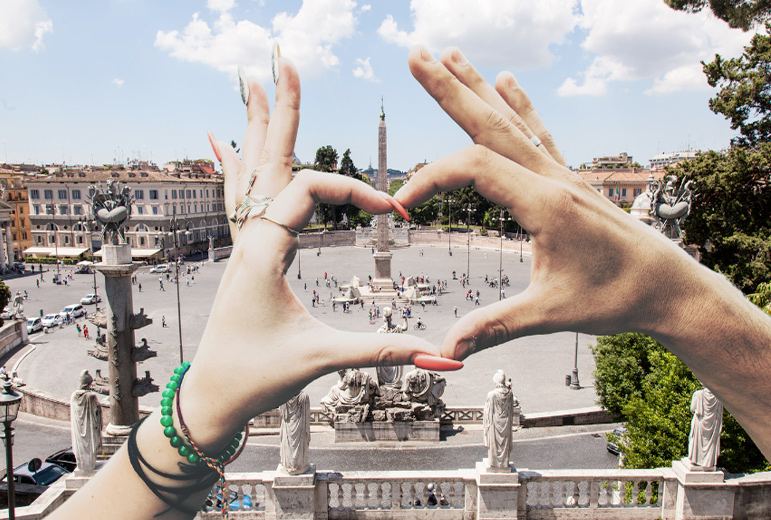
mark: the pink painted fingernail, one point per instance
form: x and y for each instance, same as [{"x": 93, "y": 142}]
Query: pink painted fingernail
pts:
[
  {"x": 427, "y": 362},
  {"x": 396, "y": 205},
  {"x": 214, "y": 147}
]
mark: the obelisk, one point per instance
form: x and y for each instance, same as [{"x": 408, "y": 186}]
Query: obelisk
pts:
[{"x": 383, "y": 255}]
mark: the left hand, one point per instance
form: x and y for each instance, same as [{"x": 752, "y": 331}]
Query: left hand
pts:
[{"x": 261, "y": 346}]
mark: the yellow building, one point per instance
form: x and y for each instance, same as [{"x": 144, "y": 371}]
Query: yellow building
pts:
[{"x": 14, "y": 192}]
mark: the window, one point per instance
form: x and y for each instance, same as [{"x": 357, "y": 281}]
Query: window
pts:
[
  {"x": 75, "y": 194},
  {"x": 139, "y": 194},
  {"x": 173, "y": 194},
  {"x": 49, "y": 209},
  {"x": 140, "y": 210},
  {"x": 610, "y": 192},
  {"x": 63, "y": 209},
  {"x": 166, "y": 194},
  {"x": 201, "y": 192},
  {"x": 48, "y": 194},
  {"x": 62, "y": 194},
  {"x": 188, "y": 194},
  {"x": 77, "y": 209},
  {"x": 637, "y": 192},
  {"x": 36, "y": 209},
  {"x": 80, "y": 240},
  {"x": 195, "y": 208},
  {"x": 623, "y": 192},
  {"x": 141, "y": 241},
  {"x": 207, "y": 193},
  {"x": 155, "y": 210},
  {"x": 153, "y": 194},
  {"x": 181, "y": 194},
  {"x": 51, "y": 239},
  {"x": 34, "y": 194}
]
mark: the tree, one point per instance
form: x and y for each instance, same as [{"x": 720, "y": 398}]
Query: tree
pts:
[
  {"x": 730, "y": 219},
  {"x": 739, "y": 14},
  {"x": 762, "y": 297},
  {"x": 650, "y": 389},
  {"x": 326, "y": 160},
  {"x": 745, "y": 90},
  {"x": 346, "y": 165},
  {"x": 5, "y": 296}
]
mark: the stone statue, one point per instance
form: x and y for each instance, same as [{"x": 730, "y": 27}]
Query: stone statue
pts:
[
  {"x": 422, "y": 386},
  {"x": 355, "y": 388},
  {"x": 18, "y": 304},
  {"x": 390, "y": 376},
  {"x": 669, "y": 208},
  {"x": 497, "y": 422},
  {"x": 111, "y": 207},
  {"x": 704, "y": 440},
  {"x": 388, "y": 326},
  {"x": 86, "y": 422},
  {"x": 295, "y": 433}
]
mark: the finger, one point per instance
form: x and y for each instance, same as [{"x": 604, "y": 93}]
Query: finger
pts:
[
  {"x": 501, "y": 181},
  {"x": 478, "y": 119},
  {"x": 258, "y": 116},
  {"x": 275, "y": 165},
  {"x": 515, "y": 96},
  {"x": 231, "y": 170},
  {"x": 454, "y": 60}
]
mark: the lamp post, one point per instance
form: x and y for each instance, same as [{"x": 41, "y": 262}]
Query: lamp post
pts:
[
  {"x": 574, "y": 384},
  {"x": 468, "y": 240},
  {"x": 520, "y": 243},
  {"x": 56, "y": 237},
  {"x": 500, "y": 261},
  {"x": 299, "y": 263},
  {"x": 174, "y": 228},
  {"x": 9, "y": 409},
  {"x": 449, "y": 224}
]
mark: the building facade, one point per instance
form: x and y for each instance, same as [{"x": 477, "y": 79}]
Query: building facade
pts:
[
  {"x": 59, "y": 212},
  {"x": 621, "y": 186},
  {"x": 665, "y": 159},
  {"x": 14, "y": 189}
]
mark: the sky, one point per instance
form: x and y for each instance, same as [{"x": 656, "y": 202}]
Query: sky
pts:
[{"x": 108, "y": 81}]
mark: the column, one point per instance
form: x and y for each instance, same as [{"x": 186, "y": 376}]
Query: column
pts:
[
  {"x": 9, "y": 242},
  {"x": 3, "y": 264}
]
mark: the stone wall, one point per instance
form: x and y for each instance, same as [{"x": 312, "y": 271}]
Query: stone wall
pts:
[
  {"x": 438, "y": 238},
  {"x": 13, "y": 334},
  {"x": 310, "y": 239}
]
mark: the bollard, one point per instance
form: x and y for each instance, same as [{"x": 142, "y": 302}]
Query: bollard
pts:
[{"x": 568, "y": 380}]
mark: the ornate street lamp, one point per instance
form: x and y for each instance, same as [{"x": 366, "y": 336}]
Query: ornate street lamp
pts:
[
  {"x": 574, "y": 384},
  {"x": 520, "y": 243},
  {"x": 500, "y": 261},
  {"x": 468, "y": 240},
  {"x": 449, "y": 223},
  {"x": 9, "y": 409},
  {"x": 174, "y": 228},
  {"x": 56, "y": 236}
]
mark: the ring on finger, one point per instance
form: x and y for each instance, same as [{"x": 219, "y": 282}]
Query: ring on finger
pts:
[
  {"x": 250, "y": 207},
  {"x": 292, "y": 231},
  {"x": 536, "y": 141}
]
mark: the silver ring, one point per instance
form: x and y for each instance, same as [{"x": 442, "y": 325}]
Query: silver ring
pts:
[
  {"x": 250, "y": 207},
  {"x": 535, "y": 141}
]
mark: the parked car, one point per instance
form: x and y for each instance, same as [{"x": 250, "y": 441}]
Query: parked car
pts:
[
  {"x": 75, "y": 310},
  {"x": 64, "y": 458},
  {"x": 162, "y": 268},
  {"x": 7, "y": 313},
  {"x": 615, "y": 440},
  {"x": 52, "y": 320},
  {"x": 46, "y": 474},
  {"x": 34, "y": 325},
  {"x": 90, "y": 298}
]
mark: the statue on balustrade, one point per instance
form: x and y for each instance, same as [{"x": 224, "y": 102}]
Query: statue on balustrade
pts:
[
  {"x": 352, "y": 395},
  {"x": 295, "y": 433},
  {"x": 707, "y": 422},
  {"x": 86, "y": 423},
  {"x": 497, "y": 422}
]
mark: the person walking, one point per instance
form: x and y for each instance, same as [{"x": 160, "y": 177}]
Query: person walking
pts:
[
  {"x": 163, "y": 321},
  {"x": 140, "y": 287},
  {"x": 85, "y": 331},
  {"x": 455, "y": 310},
  {"x": 77, "y": 326}
]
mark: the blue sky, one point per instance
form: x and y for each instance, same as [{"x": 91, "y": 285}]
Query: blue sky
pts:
[{"x": 95, "y": 82}]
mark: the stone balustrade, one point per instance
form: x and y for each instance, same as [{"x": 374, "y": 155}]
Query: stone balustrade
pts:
[{"x": 468, "y": 494}]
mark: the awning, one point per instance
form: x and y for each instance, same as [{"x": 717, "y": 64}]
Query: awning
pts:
[
  {"x": 85, "y": 263},
  {"x": 136, "y": 253},
  {"x": 67, "y": 252}
]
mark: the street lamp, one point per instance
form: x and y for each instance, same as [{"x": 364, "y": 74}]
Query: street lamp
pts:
[
  {"x": 56, "y": 237},
  {"x": 520, "y": 242},
  {"x": 299, "y": 263},
  {"x": 9, "y": 409},
  {"x": 500, "y": 261},
  {"x": 174, "y": 228},
  {"x": 574, "y": 384},
  {"x": 468, "y": 240},
  {"x": 449, "y": 223}
]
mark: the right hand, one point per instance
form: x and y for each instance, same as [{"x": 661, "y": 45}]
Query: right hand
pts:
[{"x": 591, "y": 260}]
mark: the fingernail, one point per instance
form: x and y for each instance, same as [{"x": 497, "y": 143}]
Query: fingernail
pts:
[
  {"x": 243, "y": 84},
  {"x": 458, "y": 57},
  {"x": 426, "y": 56},
  {"x": 512, "y": 82},
  {"x": 396, "y": 205},
  {"x": 427, "y": 362},
  {"x": 214, "y": 146},
  {"x": 275, "y": 54}
]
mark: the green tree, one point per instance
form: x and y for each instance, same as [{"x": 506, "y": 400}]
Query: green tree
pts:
[
  {"x": 730, "y": 219},
  {"x": 745, "y": 90},
  {"x": 739, "y": 14},
  {"x": 762, "y": 297},
  {"x": 326, "y": 160},
  {"x": 346, "y": 165}
]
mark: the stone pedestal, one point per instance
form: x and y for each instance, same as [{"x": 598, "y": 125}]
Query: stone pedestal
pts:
[
  {"x": 497, "y": 491},
  {"x": 124, "y": 405},
  {"x": 383, "y": 270},
  {"x": 294, "y": 495},
  {"x": 384, "y": 431},
  {"x": 701, "y": 494},
  {"x": 78, "y": 478}
]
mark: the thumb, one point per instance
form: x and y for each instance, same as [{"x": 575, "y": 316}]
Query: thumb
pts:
[{"x": 497, "y": 323}]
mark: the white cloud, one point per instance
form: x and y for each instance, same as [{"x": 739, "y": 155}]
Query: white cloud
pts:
[
  {"x": 306, "y": 37},
  {"x": 23, "y": 23},
  {"x": 645, "y": 39},
  {"x": 364, "y": 71},
  {"x": 117, "y": 82},
  {"x": 364, "y": 8},
  {"x": 510, "y": 34}
]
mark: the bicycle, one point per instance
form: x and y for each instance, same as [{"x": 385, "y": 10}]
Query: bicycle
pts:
[{"x": 420, "y": 326}]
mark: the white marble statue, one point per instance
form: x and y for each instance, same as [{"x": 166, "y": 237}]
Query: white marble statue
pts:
[
  {"x": 704, "y": 440},
  {"x": 422, "y": 386},
  {"x": 355, "y": 387},
  {"x": 497, "y": 422},
  {"x": 86, "y": 423},
  {"x": 295, "y": 433},
  {"x": 390, "y": 376}
]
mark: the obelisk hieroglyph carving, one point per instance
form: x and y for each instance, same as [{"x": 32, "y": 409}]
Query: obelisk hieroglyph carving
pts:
[{"x": 382, "y": 256}]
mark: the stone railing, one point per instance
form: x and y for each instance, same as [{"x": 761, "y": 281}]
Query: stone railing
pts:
[{"x": 468, "y": 494}]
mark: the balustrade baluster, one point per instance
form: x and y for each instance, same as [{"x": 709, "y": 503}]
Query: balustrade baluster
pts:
[
  {"x": 635, "y": 492},
  {"x": 396, "y": 495}
]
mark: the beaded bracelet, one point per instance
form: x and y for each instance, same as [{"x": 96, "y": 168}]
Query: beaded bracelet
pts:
[{"x": 190, "y": 451}]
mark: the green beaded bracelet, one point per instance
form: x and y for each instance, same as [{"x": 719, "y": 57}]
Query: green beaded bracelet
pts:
[{"x": 177, "y": 441}]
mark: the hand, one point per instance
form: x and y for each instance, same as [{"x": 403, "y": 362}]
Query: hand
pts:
[
  {"x": 589, "y": 257},
  {"x": 261, "y": 346}
]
